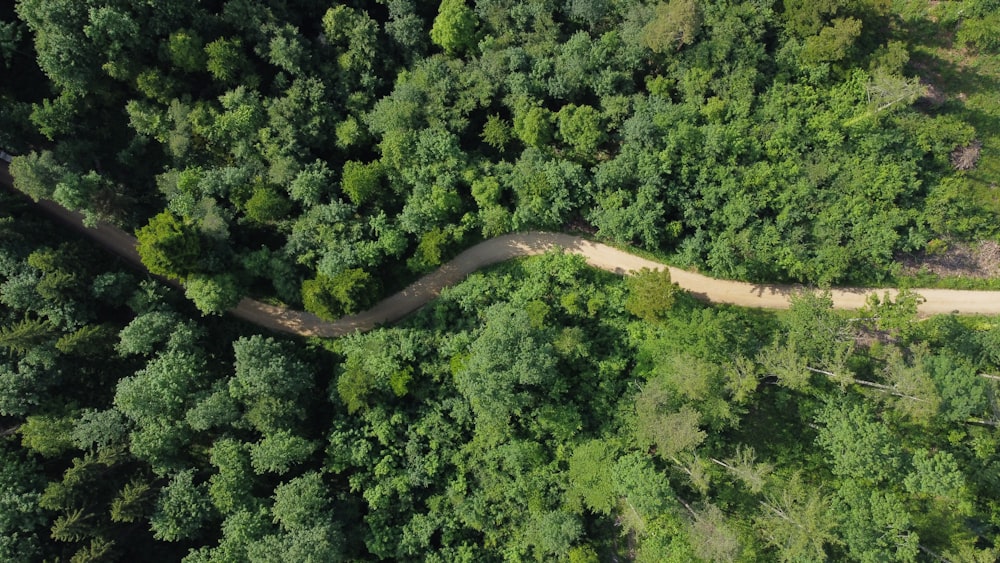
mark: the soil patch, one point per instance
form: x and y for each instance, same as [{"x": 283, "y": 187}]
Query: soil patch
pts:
[{"x": 981, "y": 261}]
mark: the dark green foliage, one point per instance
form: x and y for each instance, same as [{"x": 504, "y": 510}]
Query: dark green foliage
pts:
[{"x": 181, "y": 509}]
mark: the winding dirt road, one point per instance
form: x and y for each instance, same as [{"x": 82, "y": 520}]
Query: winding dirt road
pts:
[{"x": 515, "y": 245}]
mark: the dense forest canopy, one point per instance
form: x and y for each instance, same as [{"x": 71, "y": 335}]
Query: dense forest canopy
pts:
[
  {"x": 323, "y": 154},
  {"x": 302, "y": 149}
]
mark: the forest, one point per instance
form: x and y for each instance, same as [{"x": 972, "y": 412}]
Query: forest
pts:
[{"x": 322, "y": 155}]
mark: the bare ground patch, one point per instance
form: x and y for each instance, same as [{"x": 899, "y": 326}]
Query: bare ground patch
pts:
[{"x": 980, "y": 260}]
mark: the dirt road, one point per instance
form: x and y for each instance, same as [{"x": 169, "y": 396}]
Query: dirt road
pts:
[{"x": 514, "y": 245}]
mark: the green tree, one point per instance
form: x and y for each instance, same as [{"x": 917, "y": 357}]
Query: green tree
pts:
[
  {"x": 496, "y": 132},
  {"x": 454, "y": 28},
  {"x": 346, "y": 293},
  {"x": 796, "y": 520},
  {"x": 302, "y": 502},
  {"x": 213, "y": 294},
  {"x": 47, "y": 435},
  {"x": 181, "y": 509},
  {"x": 169, "y": 247},
  {"x": 361, "y": 182},
  {"x": 675, "y": 24},
  {"x": 580, "y": 127},
  {"x": 590, "y": 476},
  {"x": 227, "y": 63},
  {"x": 37, "y": 174},
  {"x": 651, "y": 294},
  {"x": 186, "y": 50},
  {"x": 279, "y": 451},
  {"x": 132, "y": 502}
]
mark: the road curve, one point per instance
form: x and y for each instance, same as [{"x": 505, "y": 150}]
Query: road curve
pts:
[{"x": 514, "y": 245}]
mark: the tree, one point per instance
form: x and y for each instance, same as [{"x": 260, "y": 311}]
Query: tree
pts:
[
  {"x": 670, "y": 432},
  {"x": 712, "y": 538},
  {"x": 651, "y": 294},
  {"x": 797, "y": 520},
  {"x": 580, "y": 127},
  {"x": 496, "y": 132},
  {"x": 26, "y": 335},
  {"x": 674, "y": 25},
  {"x": 590, "y": 476},
  {"x": 181, "y": 509},
  {"x": 301, "y": 503},
  {"x": 230, "y": 489},
  {"x": 21, "y": 516},
  {"x": 279, "y": 451},
  {"x": 213, "y": 294},
  {"x": 186, "y": 50},
  {"x": 361, "y": 182},
  {"x": 47, "y": 435},
  {"x": 270, "y": 381},
  {"x": 131, "y": 503},
  {"x": 227, "y": 62},
  {"x": 874, "y": 524},
  {"x": 169, "y": 247},
  {"x": 348, "y": 292},
  {"x": 833, "y": 43},
  {"x": 510, "y": 367},
  {"x": 37, "y": 174},
  {"x": 532, "y": 123},
  {"x": 860, "y": 447},
  {"x": 454, "y": 28},
  {"x": 267, "y": 206}
]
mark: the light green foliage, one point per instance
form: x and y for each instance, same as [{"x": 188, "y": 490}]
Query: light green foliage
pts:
[
  {"x": 454, "y": 28},
  {"x": 130, "y": 504},
  {"x": 279, "y": 451},
  {"x": 37, "y": 174},
  {"x": 26, "y": 335},
  {"x": 672, "y": 433},
  {"x": 651, "y": 294},
  {"x": 47, "y": 435},
  {"x": 169, "y": 247},
  {"x": 214, "y": 294},
  {"x": 675, "y": 24},
  {"x": 580, "y": 127},
  {"x": 875, "y": 525},
  {"x": 361, "y": 182},
  {"x": 796, "y": 519},
  {"x": 226, "y": 60},
  {"x": 329, "y": 298},
  {"x": 591, "y": 478},
  {"x": 833, "y": 43},
  {"x": 301, "y": 503},
  {"x": 266, "y": 205},
  {"x": 496, "y": 132},
  {"x": 187, "y": 51},
  {"x": 377, "y": 361},
  {"x": 533, "y": 124},
  {"x": 230, "y": 487},
  {"x": 712, "y": 537},
  {"x": 860, "y": 447}
]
